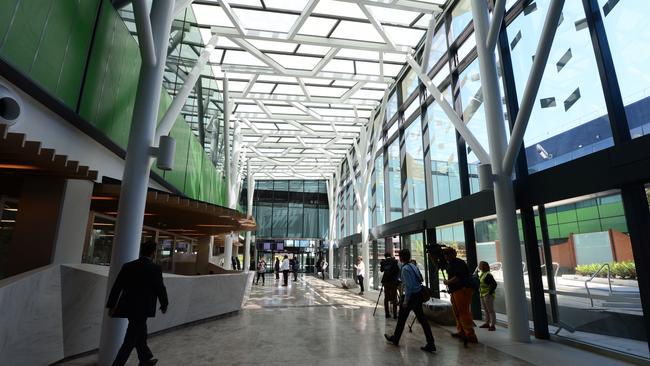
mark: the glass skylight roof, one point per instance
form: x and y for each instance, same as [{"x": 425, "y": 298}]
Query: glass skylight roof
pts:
[{"x": 304, "y": 75}]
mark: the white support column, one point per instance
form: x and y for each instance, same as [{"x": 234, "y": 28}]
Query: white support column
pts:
[
  {"x": 227, "y": 253},
  {"x": 249, "y": 213},
  {"x": 135, "y": 181},
  {"x": 332, "y": 199},
  {"x": 504, "y": 197}
]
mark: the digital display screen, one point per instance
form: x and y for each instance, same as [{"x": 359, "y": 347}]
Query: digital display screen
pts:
[
  {"x": 267, "y": 246},
  {"x": 279, "y": 246}
]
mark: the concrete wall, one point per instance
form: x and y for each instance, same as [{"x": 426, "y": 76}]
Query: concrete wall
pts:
[{"x": 55, "y": 312}]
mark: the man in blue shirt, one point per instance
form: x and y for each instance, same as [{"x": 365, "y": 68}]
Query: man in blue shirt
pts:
[{"x": 412, "y": 284}]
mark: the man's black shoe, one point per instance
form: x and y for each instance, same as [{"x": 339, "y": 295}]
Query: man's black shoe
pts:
[
  {"x": 150, "y": 362},
  {"x": 429, "y": 348},
  {"x": 391, "y": 339}
]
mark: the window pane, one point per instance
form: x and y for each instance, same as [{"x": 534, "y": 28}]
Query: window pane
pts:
[
  {"x": 323, "y": 222},
  {"x": 311, "y": 221},
  {"x": 438, "y": 47},
  {"x": 569, "y": 118},
  {"x": 474, "y": 112},
  {"x": 295, "y": 220},
  {"x": 394, "y": 181},
  {"x": 444, "y": 155},
  {"x": 391, "y": 108},
  {"x": 417, "y": 197},
  {"x": 409, "y": 84},
  {"x": 380, "y": 210},
  {"x": 280, "y": 220},
  {"x": 627, "y": 32},
  {"x": 461, "y": 17},
  {"x": 596, "y": 234}
]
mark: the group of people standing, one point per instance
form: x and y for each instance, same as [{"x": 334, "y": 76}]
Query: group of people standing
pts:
[
  {"x": 460, "y": 283},
  {"x": 286, "y": 266}
]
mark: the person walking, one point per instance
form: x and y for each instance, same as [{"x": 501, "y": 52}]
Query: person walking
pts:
[
  {"x": 276, "y": 267},
  {"x": 412, "y": 301},
  {"x": 137, "y": 288},
  {"x": 285, "y": 270},
  {"x": 390, "y": 281},
  {"x": 238, "y": 263},
  {"x": 261, "y": 271},
  {"x": 324, "y": 266},
  {"x": 361, "y": 269},
  {"x": 461, "y": 295},
  {"x": 487, "y": 288},
  {"x": 233, "y": 263}
]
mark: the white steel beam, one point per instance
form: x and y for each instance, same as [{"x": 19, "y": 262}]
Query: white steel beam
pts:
[
  {"x": 301, "y": 99},
  {"x": 252, "y": 115},
  {"x": 309, "y": 40},
  {"x": 248, "y": 87},
  {"x": 495, "y": 24},
  {"x": 323, "y": 61},
  {"x": 306, "y": 11},
  {"x": 352, "y": 90},
  {"x": 258, "y": 54},
  {"x": 239, "y": 27},
  {"x": 175, "y": 108},
  {"x": 304, "y": 89},
  {"x": 306, "y": 110},
  {"x": 243, "y": 69},
  {"x": 145, "y": 34},
  {"x": 377, "y": 25},
  {"x": 427, "y": 41},
  {"x": 532, "y": 84},
  {"x": 460, "y": 126},
  {"x": 408, "y": 5}
]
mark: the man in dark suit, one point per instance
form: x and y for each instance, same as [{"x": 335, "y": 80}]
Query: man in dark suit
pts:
[{"x": 138, "y": 286}]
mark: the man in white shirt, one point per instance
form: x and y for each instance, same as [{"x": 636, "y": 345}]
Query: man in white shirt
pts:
[
  {"x": 361, "y": 269},
  {"x": 285, "y": 269}
]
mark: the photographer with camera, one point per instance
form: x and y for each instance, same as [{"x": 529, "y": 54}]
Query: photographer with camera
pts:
[
  {"x": 460, "y": 290},
  {"x": 390, "y": 281}
]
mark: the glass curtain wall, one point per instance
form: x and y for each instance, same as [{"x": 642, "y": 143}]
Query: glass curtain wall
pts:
[
  {"x": 380, "y": 203},
  {"x": 394, "y": 181},
  {"x": 627, "y": 28},
  {"x": 417, "y": 197},
  {"x": 590, "y": 243},
  {"x": 291, "y": 209},
  {"x": 443, "y": 153}
]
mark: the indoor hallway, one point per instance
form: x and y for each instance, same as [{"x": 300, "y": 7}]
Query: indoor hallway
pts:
[{"x": 314, "y": 322}]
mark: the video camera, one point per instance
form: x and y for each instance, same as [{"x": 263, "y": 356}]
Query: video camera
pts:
[{"x": 434, "y": 250}]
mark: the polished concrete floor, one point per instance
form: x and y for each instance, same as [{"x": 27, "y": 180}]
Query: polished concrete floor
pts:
[{"x": 316, "y": 323}]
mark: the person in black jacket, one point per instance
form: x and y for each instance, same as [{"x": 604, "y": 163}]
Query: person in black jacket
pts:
[
  {"x": 390, "y": 281},
  {"x": 138, "y": 287}
]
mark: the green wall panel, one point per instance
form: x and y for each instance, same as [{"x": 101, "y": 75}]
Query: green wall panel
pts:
[
  {"x": 48, "y": 41},
  {"x": 112, "y": 78},
  {"x": 193, "y": 176}
]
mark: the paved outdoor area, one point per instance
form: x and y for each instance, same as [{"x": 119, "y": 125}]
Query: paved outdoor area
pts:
[{"x": 315, "y": 322}]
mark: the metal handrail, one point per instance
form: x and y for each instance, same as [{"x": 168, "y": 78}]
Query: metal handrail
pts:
[
  {"x": 609, "y": 280},
  {"x": 555, "y": 266}
]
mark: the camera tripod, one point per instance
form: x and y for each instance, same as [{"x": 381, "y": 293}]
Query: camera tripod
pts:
[{"x": 379, "y": 297}]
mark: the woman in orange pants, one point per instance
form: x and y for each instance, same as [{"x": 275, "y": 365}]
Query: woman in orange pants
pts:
[{"x": 461, "y": 295}]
